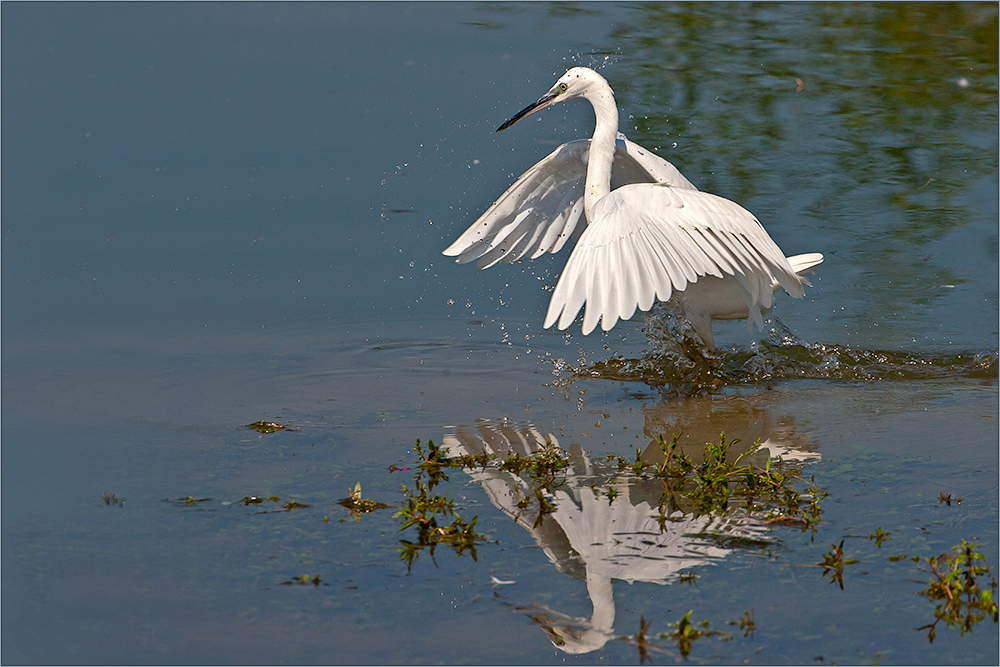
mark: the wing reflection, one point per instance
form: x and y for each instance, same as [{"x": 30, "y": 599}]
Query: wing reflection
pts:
[
  {"x": 702, "y": 419},
  {"x": 590, "y": 536}
]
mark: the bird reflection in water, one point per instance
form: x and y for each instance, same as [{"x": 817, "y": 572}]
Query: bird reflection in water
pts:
[{"x": 599, "y": 538}]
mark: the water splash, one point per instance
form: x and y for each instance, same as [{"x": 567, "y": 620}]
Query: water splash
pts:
[{"x": 678, "y": 359}]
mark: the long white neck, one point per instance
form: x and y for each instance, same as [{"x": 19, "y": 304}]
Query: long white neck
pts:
[{"x": 602, "y": 146}]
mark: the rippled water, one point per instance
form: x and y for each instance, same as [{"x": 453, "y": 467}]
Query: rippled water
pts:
[{"x": 678, "y": 361}]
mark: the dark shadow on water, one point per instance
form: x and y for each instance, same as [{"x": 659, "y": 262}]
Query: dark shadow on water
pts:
[{"x": 678, "y": 362}]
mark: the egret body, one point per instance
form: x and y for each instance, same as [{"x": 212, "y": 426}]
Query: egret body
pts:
[{"x": 643, "y": 232}]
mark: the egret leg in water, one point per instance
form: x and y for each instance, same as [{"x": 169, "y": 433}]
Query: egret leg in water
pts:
[{"x": 643, "y": 232}]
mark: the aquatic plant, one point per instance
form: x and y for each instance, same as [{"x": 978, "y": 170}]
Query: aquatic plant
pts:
[
  {"x": 290, "y": 505},
  {"x": 946, "y": 499},
  {"x": 722, "y": 482},
  {"x": 542, "y": 466},
  {"x": 746, "y": 622},
  {"x": 421, "y": 508},
  {"x": 187, "y": 501},
  {"x": 641, "y": 641},
  {"x": 833, "y": 564},
  {"x": 303, "y": 580},
  {"x": 269, "y": 427},
  {"x": 685, "y": 632},
  {"x": 357, "y": 505},
  {"x": 955, "y": 584},
  {"x": 287, "y": 506},
  {"x": 257, "y": 500},
  {"x": 879, "y": 536}
]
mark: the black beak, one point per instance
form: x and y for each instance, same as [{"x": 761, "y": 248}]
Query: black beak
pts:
[{"x": 543, "y": 101}]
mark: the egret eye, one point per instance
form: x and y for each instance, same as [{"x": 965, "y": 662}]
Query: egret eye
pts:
[{"x": 563, "y": 87}]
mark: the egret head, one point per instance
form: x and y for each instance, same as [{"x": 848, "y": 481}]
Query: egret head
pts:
[{"x": 576, "y": 82}]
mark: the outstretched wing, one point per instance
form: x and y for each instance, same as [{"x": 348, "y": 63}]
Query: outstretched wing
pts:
[
  {"x": 543, "y": 209},
  {"x": 653, "y": 239},
  {"x": 635, "y": 164}
]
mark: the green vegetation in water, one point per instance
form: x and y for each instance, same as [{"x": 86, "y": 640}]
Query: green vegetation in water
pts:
[
  {"x": 542, "y": 466},
  {"x": 640, "y": 640},
  {"x": 898, "y": 557},
  {"x": 257, "y": 500},
  {"x": 879, "y": 536},
  {"x": 685, "y": 632},
  {"x": 833, "y": 564},
  {"x": 290, "y": 505},
  {"x": 946, "y": 499},
  {"x": 303, "y": 580},
  {"x": 421, "y": 508},
  {"x": 955, "y": 585},
  {"x": 722, "y": 482},
  {"x": 287, "y": 506},
  {"x": 746, "y": 622},
  {"x": 112, "y": 500},
  {"x": 358, "y": 505},
  {"x": 688, "y": 578},
  {"x": 269, "y": 427}
]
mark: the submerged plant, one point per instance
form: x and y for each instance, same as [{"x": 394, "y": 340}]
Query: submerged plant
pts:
[{"x": 955, "y": 584}]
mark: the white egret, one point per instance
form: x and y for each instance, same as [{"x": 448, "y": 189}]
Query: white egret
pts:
[{"x": 643, "y": 231}]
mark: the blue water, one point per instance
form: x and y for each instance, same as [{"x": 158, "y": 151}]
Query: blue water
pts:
[{"x": 215, "y": 214}]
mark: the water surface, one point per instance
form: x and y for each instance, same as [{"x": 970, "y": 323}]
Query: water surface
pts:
[{"x": 218, "y": 214}]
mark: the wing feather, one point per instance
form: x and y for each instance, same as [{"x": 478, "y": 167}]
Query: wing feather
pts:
[
  {"x": 651, "y": 262},
  {"x": 543, "y": 209},
  {"x": 650, "y": 239},
  {"x": 654, "y": 234}
]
